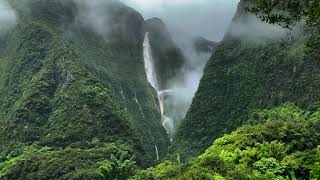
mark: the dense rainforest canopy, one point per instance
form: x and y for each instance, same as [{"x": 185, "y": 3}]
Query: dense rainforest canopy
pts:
[{"x": 281, "y": 143}]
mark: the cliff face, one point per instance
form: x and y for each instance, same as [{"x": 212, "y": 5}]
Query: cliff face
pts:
[
  {"x": 255, "y": 67},
  {"x": 168, "y": 57}
]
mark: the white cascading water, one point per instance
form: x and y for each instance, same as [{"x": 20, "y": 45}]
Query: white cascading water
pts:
[
  {"x": 165, "y": 92},
  {"x": 157, "y": 152},
  {"x": 138, "y": 104},
  {"x": 149, "y": 63},
  {"x": 124, "y": 99},
  {"x": 153, "y": 80}
]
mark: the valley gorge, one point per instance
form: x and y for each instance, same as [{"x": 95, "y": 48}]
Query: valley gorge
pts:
[{"x": 94, "y": 90}]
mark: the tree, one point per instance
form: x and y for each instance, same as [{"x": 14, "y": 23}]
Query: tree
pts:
[
  {"x": 288, "y": 13},
  {"x": 121, "y": 167}
]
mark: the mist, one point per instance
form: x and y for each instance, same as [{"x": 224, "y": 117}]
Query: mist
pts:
[
  {"x": 94, "y": 14},
  {"x": 207, "y": 18},
  {"x": 253, "y": 30},
  {"x": 8, "y": 17},
  {"x": 186, "y": 82},
  {"x": 186, "y": 20}
]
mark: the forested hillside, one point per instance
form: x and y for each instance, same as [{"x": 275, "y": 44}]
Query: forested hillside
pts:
[
  {"x": 70, "y": 90},
  {"x": 280, "y": 143},
  {"x": 252, "y": 69},
  {"x": 49, "y": 100}
]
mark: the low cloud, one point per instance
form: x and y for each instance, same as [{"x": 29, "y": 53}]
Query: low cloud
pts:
[
  {"x": 187, "y": 81},
  {"x": 94, "y": 14},
  {"x": 251, "y": 29},
  {"x": 207, "y": 18},
  {"x": 8, "y": 17}
]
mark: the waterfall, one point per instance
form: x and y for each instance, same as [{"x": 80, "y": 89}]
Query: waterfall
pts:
[
  {"x": 153, "y": 80},
  {"x": 165, "y": 92},
  {"x": 167, "y": 122},
  {"x": 149, "y": 63},
  {"x": 150, "y": 69},
  {"x": 124, "y": 99},
  {"x": 138, "y": 104},
  {"x": 157, "y": 152}
]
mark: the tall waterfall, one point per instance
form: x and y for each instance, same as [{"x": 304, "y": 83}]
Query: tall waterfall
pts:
[
  {"x": 149, "y": 63},
  {"x": 153, "y": 80}
]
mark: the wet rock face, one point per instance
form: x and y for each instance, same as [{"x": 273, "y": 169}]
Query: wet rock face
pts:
[
  {"x": 168, "y": 57},
  {"x": 159, "y": 33}
]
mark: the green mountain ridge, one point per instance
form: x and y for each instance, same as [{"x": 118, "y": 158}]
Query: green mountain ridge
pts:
[
  {"x": 246, "y": 75},
  {"x": 49, "y": 99},
  {"x": 66, "y": 87}
]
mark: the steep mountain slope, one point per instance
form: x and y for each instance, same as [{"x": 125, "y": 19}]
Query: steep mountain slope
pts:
[
  {"x": 44, "y": 86},
  {"x": 116, "y": 59},
  {"x": 251, "y": 69},
  {"x": 68, "y": 86},
  {"x": 49, "y": 99}
]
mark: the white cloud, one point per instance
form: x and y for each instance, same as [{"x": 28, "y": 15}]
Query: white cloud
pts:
[
  {"x": 208, "y": 18},
  {"x": 163, "y": 3},
  {"x": 7, "y": 17}
]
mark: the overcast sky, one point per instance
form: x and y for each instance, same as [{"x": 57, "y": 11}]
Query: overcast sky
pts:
[{"x": 207, "y": 18}]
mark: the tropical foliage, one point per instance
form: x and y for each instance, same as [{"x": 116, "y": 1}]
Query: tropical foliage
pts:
[
  {"x": 280, "y": 143},
  {"x": 108, "y": 161}
]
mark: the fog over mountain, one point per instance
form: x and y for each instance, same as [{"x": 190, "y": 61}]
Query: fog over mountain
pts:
[
  {"x": 207, "y": 18},
  {"x": 7, "y": 17}
]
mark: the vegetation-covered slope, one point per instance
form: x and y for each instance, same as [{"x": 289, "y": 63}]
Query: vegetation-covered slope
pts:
[
  {"x": 118, "y": 63},
  {"x": 105, "y": 162},
  {"x": 247, "y": 72},
  {"x": 49, "y": 99},
  {"x": 66, "y": 90},
  {"x": 75, "y": 102},
  {"x": 46, "y": 94},
  {"x": 112, "y": 54},
  {"x": 281, "y": 143}
]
